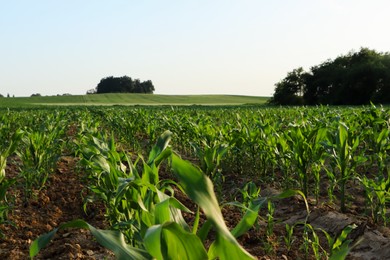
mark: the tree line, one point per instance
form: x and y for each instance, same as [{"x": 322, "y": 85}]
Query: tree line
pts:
[
  {"x": 123, "y": 84},
  {"x": 356, "y": 78}
]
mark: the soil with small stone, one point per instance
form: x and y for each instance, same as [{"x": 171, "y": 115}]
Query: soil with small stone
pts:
[{"x": 61, "y": 201}]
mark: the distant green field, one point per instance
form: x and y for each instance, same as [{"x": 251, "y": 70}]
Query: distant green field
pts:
[{"x": 131, "y": 99}]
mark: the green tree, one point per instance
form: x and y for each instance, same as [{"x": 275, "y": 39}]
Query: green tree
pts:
[
  {"x": 352, "y": 79},
  {"x": 323, "y": 81},
  {"x": 123, "y": 84},
  {"x": 290, "y": 90}
]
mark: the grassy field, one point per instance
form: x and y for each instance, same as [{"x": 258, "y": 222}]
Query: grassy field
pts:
[{"x": 132, "y": 99}]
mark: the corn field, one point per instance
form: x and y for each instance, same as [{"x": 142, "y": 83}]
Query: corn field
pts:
[{"x": 170, "y": 178}]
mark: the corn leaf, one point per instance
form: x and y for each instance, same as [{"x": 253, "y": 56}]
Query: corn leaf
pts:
[
  {"x": 162, "y": 212},
  {"x": 343, "y": 236},
  {"x": 160, "y": 146},
  {"x": 200, "y": 189},
  {"x": 248, "y": 220},
  {"x": 170, "y": 241},
  {"x": 152, "y": 241},
  {"x": 204, "y": 230},
  {"x": 41, "y": 242},
  {"x": 175, "y": 208},
  {"x": 341, "y": 252},
  {"x": 110, "y": 239}
]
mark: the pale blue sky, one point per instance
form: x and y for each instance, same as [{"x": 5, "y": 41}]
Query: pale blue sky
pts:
[{"x": 185, "y": 47}]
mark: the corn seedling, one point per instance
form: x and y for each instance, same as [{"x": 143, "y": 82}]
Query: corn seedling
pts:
[
  {"x": 339, "y": 246},
  {"x": 39, "y": 154},
  {"x": 289, "y": 238},
  {"x": 377, "y": 193},
  {"x": 270, "y": 219},
  {"x": 210, "y": 157},
  {"x": 342, "y": 151},
  {"x": 5, "y": 183},
  {"x": 249, "y": 192},
  {"x": 300, "y": 138}
]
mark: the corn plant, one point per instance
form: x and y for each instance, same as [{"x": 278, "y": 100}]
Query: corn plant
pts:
[
  {"x": 311, "y": 239},
  {"x": 382, "y": 148},
  {"x": 289, "y": 238},
  {"x": 340, "y": 245},
  {"x": 264, "y": 147},
  {"x": 377, "y": 193},
  {"x": 163, "y": 236},
  {"x": 270, "y": 219},
  {"x": 342, "y": 150},
  {"x": 39, "y": 153},
  {"x": 4, "y": 182},
  {"x": 375, "y": 127},
  {"x": 300, "y": 138},
  {"x": 283, "y": 156},
  {"x": 210, "y": 157},
  {"x": 5, "y": 129},
  {"x": 318, "y": 160},
  {"x": 249, "y": 192},
  {"x": 112, "y": 182}
]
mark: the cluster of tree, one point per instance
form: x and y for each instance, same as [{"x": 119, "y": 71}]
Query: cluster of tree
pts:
[
  {"x": 122, "y": 85},
  {"x": 353, "y": 79},
  {"x": 7, "y": 95}
]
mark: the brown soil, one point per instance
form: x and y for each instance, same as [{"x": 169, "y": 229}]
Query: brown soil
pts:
[{"x": 60, "y": 201}]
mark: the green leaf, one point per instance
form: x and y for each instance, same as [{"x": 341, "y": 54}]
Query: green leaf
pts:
[
  {"x": 341, "y": 253},
  {"x": 4, "y": 185},
  {"x": 196, "y": 221},
  {"x": 115, "y": 241},
  {"x": 343, "y": 235},
  {"x": 162, "y": 212},
  {"x": 382, "y": 135},
  {"x": 110, "y": 239},
  {"x": 223, "y": 248},
  {"x": 152, "y": 241},
  {"x": 182, "y": 243},
  {"x": 162, "y": 156},
  {"x": 204, "y": 230},
  {"x": 41, "y": 242},
  {"x": 170, "y": 241},
  {"x": 16, "y": 137},
  {"x": 160, "y": 146},
  {"x": 248, "y": 220},
  {"x": 340, "y": 247},
  {"x": 173, "y": 207},
  {"x": 200, "y": 189},
  {"x": 342, "y": 139},
  {"x": 101, "y": 162}
]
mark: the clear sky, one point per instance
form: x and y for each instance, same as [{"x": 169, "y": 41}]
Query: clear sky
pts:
[{"x": 185, "y": 47}]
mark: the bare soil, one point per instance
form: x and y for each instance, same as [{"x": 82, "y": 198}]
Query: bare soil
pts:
[{"x": 59, "y": 202}]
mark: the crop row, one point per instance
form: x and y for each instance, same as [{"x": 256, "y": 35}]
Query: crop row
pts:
[{"x": 297, "y": 149}]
